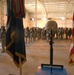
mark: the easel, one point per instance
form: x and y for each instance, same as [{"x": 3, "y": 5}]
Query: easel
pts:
[{"x": 51, "y": 65}]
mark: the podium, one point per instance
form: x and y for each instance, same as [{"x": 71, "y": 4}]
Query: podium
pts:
[{"x": 47, "y": 71}]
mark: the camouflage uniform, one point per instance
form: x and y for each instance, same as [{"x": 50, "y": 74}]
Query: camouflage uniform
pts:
[
  {"x": 66, "y": 32},
  {"x": 47, "y": 35},
  {"x": 3, "y": 39},
  {"x": 35, "y": 34},
  {"x": 43, "y": 36},
  {"x": 31, "y": 34},
  {"x": 27, "y": 34}
]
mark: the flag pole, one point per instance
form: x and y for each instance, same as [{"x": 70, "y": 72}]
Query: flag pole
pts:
[{"x": 20, "y": 66}]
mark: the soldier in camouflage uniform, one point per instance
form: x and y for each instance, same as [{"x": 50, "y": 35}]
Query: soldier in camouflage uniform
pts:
[
  {"x": 62, "y": 32},
  {"x": 66, "y": 32},
  {"x": 69, "y": 33},
  {"x": 47, "y": 35},
  {"x": 39, "y": 33},
  {"x": 31, "y": 34},
  {"x": 3, "y": 38},
  {"x": 43, "y": 34},
  {"x": 27, "y": 34},
  {"x": 35, "y": 34}
]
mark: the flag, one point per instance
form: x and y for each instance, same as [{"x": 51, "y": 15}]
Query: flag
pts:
[
  {"x": 16, "y": 8},
  {"x": 19, "y": 8},
  {"x": 15, "y": 45},
  {"x": 71, "y": 56},
  {"x": 9, "y": 7}
]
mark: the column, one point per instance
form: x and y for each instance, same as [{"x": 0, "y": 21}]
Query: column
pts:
[{"x": 35, "y": 13}]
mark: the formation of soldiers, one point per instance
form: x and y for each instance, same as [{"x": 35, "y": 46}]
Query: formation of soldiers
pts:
[{"x": 32, "y": 34}]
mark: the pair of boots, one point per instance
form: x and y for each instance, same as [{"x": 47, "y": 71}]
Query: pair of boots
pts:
[{"x": 3, "y": 50}]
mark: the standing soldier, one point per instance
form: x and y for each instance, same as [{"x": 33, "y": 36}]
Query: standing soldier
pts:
[
  {"x": 31, "y": 34},
  {"x": 59, "y": 32},
  {"x": 66, "y": 32},
  {"x": 3, "y": 38},
  {"x": 43, "y": 36},
  {"x": 35, "y": 34},
  {"x": 47, "y": 35},
  {"x": 69, "y": 33},
  {"x": 62, "y": 32},
  {"x": 39, "y": 33},
  {"x": 27, "y": 34}
]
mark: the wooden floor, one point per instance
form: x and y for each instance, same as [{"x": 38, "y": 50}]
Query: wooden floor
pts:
[{"x": 38, "y": 52}]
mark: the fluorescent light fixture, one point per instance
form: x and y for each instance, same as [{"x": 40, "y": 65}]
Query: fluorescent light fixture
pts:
[
  {"x": 62, "y": 18},
  {"x": 32, "y": 19},
  {"x": 43, "y": 19}
]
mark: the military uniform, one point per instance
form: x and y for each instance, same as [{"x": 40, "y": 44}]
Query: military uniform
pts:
[
  {"x": 31, "y": 34},
  {"x": 27, "y": 34},
  {"x": 3, "y": 40}
]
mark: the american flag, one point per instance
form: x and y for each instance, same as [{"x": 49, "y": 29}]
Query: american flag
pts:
[{"x": 71, "y": 56}]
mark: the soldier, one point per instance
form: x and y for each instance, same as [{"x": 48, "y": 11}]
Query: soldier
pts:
[
  {"x": 62, "y": 32},
  {"x": 35, "y": 34},
  {"x": 27, "y": 34},
  {"x": 66, "y": 32},
  {"x": 59, "y": 32},
  {"x": 31, "y": 34},
  {"x": 39, "y": 33},
  {"x": 3, "y": 38},
  {"x": 69, "y": 33},
  {"x": 47, "y": 35},
  {"x": 43, "y": 36}
]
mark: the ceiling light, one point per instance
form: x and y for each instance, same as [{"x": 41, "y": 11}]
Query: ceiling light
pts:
[
  {"x": 62, "y": 18},
  {"x": 43, "y": 19},
  {"x": 32, "y": 19}
]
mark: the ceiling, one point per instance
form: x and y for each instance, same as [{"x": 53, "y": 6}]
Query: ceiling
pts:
[{"x": 50, "y": 7}]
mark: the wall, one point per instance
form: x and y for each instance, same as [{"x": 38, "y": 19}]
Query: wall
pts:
[
  {"x": 3, "y": 16},
  {"x": 26, "y": 20},
  {"x": 61, "y": 23},
  {"x": 40, "y": 23},
  {"x": 54, "y": 16}
]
